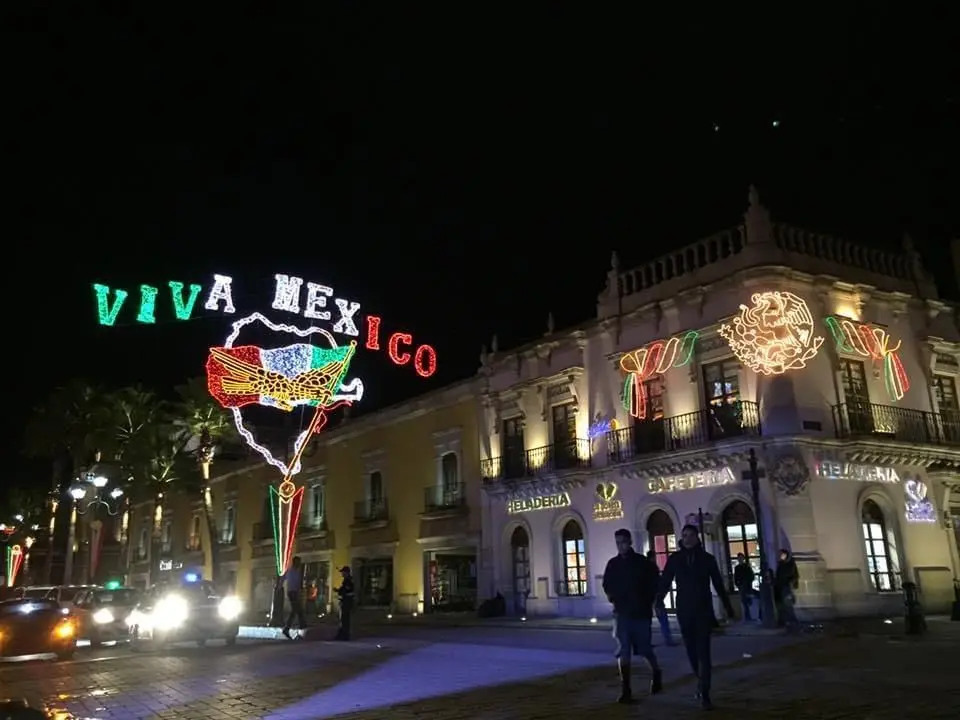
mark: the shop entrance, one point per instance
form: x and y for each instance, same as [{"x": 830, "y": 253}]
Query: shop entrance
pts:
[
  {"x": 452, "y": 580},
  {"x": 375, "y": 577},
  {"x": 662, "y": 539}
]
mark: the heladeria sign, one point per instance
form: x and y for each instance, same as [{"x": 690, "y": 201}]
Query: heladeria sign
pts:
[{"x": 541, "y": 502}]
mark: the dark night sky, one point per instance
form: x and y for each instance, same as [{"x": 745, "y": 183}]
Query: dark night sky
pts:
[{"x": 460, "y": 174}]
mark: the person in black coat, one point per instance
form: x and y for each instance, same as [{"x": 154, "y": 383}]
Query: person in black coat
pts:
[
  {"x": 694, "y": 570},
  {"x": 630, "y": 581}
]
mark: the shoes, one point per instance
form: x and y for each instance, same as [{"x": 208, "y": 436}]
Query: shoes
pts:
[
  {"x": 286, "y": 633},
  {"x": 656, "y": 684}
]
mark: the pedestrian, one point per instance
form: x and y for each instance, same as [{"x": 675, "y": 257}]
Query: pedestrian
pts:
[
  {"x": 743, "y": 577},
  {"x": 662, "y": 618},
  {"x": 785, "y": 583},
  {"x": 293, "y": 583},
  {"x": 630, "y": 581},
  {"x": 346, "y": 595},
  {"x": 694, "y": 570},
  {"x": 313, "y": 597}
]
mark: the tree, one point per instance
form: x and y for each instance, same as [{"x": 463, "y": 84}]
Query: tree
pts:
[{"x": 207, "y": 426}]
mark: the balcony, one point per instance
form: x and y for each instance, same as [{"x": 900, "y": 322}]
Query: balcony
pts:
[
  {"x": 567, "y": 455},
  {"x": 684, "y": 432},
  {"x": 444, "y": 498},
  {"x": 371, "y": 510},
  {"x": 310, "y": 526},
  {"x": 887, "y": 422}
]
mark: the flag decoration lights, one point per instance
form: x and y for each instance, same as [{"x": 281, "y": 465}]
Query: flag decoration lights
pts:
[
  {"x": 874, "y": 343},
  {"x": 14, "y": 561},
  {"x": 650, "y": 360},
  {"x": 774, "y": 334}
]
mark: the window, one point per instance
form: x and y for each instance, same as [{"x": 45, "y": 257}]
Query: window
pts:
[
  {"x": 375, "y": 487},
  {"x": 143, "y": 545},
  {"x": 945, "y": 391},
  {"x": 574, "y": 560},
  {"x": 654, "y": 394},
  {"x": 228, "y": 533},
  {"x": 882, "y": 565},
  {"x": 166, "y": 535},
  {"x": 856, "y": 398},
  {"x": 663, "y": 541},
  {"x": 317, "y": 510},
  {"x": 721, "y": 382},
  {"x": 740, "y": 536},
  {"x": 193, "y": 539},
  {"x": 449, "y": 472},
  {"x": 520, "y": 555},
  {"x": 564, "y": 423}
]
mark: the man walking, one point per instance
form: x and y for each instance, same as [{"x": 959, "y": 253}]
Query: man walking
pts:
[
  {"x": 785, "y": 585},
  {"x": 662, "y": 619},
  {"x": 694, "y": 569},
  {"x": 743, "y": 577},
  {"x": 346, "y": 595},
  {"x": 293, "y": 583},
  {"x": 630, "y": 581}
]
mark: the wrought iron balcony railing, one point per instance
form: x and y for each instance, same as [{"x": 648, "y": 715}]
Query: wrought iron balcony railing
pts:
[
  {"x": 566, "y": 455},
  {"x": 437, "y": 498},
  {"x": 370, "y": 510},
  {"x": 868, "y": 420},
  {"x": 684, "y": 432}
]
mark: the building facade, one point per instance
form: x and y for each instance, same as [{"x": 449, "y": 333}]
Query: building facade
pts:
[
  {"x": 394, "y": 494},
  {"x": 834, "y": 366}
]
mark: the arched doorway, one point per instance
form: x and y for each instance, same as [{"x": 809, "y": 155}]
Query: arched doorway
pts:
[
  {"x": 574, "y": 560},
  {"x": 882, "y": 562},
  {"x": 740, "y": 536},
  {"x": 520, "y": 564},
  {"x": 662, "y": 539}
]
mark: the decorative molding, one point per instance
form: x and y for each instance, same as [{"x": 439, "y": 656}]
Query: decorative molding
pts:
[
  {"x": 668, "y": 467},
  {"x": 790, "y": 474}
]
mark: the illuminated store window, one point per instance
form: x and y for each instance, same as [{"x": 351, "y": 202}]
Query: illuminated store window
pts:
[
  {"x": 663, "y": 541},
  {"x": 882, "y": 563},
  {"x": 520, "y": 554},
  {"x": 740, "y": 536},
  {"x": 574, "y": 561}
]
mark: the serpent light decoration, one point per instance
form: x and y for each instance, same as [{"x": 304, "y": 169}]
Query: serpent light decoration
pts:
[
  {"x": 650, "y": 360},
  {"x": 300, "y": 375},
  {"x": 774, "y": 334},
  {"x": 14, "y": 562},
  {"x": 873, "y": 343}
]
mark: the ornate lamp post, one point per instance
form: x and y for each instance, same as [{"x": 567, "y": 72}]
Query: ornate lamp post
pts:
[{"x": 79, "y": 492}]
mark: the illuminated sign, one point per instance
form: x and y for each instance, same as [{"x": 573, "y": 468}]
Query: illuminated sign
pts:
[
  {"x": 607, "y": 506},
  {"x": 774, "y": 334},
  {"x": 873, "y": 343},
  {"x": 601, "y": 426},
  {"x": 692, "y": 481},
  {"x": 854, "y": 471},
  {"x": 541, "y": 502},
  {"x": 650, "y": 360},
  {"x": 919, "y": 507}
]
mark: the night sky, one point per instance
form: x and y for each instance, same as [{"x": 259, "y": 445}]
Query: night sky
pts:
[{"x": 459, "y": 174}]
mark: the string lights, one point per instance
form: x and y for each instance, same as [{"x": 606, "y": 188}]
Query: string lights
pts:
[
  {"x": 424, "y": 357},
  {"x": 650, "y": 360},
  {"x": 774, "y": 334},
  {"x": 874, "y": 343},
  {"x": 14, "y": 561}
]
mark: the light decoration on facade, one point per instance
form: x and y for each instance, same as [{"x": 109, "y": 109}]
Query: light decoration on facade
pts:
[
  {"x": 601, "y": 426},
  {"x": 650, "y": 360},
  {"x": 919, "y": 507},
  {"x": 14, "y": 562},
  {"x": 874, "y": 343},
  {"x": 774, "y": 334},
  {"x": 299, "y": 375}
]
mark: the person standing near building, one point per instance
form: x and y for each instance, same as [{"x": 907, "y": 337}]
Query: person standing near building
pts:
[
  {"x": 694, "y": 570},
  {"x": 346, "y": 594},
  {"x": 630, "y": 581},
  {"x": 785, "y": 584},
  {"x": 293, "y": 584},
  {"x": 743, "y": 577},
  {"x": 662, "y": 618}
]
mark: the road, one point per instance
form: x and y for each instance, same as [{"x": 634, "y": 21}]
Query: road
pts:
[{"x": 495, "y": 674}]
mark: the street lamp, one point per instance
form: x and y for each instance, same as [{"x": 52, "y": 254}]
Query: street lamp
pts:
[{"x": 79, "y": 492}]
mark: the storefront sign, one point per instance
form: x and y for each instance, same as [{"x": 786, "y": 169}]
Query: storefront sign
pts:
[
  {"x": 167, "y": 565},
  {"x": 854, "y": 471},
  {"x": 607, "y": 506},
  {"x": 919, "y": 507},
  {"x": 691, "y": 481},
  {"x": 541, "y": 502}
]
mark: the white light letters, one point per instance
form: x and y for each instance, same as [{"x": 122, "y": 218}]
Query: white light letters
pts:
[
  {"x": 222, "y": 290},
  {"x": 345, "y": 325},
  {"x": 317, "y": 298},
  {"x": 286, "y": 297}
]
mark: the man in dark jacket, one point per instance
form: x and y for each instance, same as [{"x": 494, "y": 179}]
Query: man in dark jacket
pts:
[
  {"x": 785, "y": 585},
  {"x": 346, "y": 595},
  {"x": 743, "y": 577},
  {"x": 694, "y": 569},
  {"x": 630, "y": 581}
]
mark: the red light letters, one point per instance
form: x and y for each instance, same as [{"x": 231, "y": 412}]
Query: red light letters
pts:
[{"x": 424, "y": 357}]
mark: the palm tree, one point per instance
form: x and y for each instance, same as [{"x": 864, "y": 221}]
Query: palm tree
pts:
[{"x": 206, "y": 425}]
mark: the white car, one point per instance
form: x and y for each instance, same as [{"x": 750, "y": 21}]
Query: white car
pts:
[{"x": 102, "y": 613}]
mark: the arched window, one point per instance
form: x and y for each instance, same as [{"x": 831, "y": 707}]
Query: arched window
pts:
[
  {"x": 740, "y": 536},
  {"x": 882, "y": 562},
  {"x": 662, "y": 542},
  {"x": 574, "y": 561},
  {"x": 520, "y": 555}
]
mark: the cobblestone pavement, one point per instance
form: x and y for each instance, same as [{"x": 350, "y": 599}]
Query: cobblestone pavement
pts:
[{"x": 498, "y": 675}]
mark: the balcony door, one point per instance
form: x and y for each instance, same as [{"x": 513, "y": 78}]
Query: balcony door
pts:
[
  {"x": 648, "y": 433},
  {"x": 856, "y": 397},
  {"x": 564, "y": 435},
  {"x": 512, "y": 448},
  {"x": 721, "y": 384},
  {"x": 945, "y": 391}
]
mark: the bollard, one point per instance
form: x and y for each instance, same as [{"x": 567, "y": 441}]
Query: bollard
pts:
[
  {"x": 955, "y": 612},
  {"x": 913, "y": 619}
]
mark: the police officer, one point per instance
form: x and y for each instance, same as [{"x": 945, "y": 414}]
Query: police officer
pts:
[
  {"x": 694, "y": 569},
  {"x": 346, "y": 595}
]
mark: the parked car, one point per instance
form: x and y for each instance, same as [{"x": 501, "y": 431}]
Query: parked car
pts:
[
  {"x": 36, "y": 626},
  {"x": 63, "y": 594},
  {"x": 102, "y": 613},
  {"x": 190, "y": 609}
]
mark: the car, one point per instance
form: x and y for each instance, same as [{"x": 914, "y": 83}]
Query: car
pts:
[
  {"x": 186, "y": 610},
  {"x": 63, "y": 594},
  {"x": 102, "y": 613},
  {"x": 30, "y": 626}
]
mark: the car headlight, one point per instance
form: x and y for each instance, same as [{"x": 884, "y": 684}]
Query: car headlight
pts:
[
  {"x": 170, "y": 612},
  {"x": 230, "y": 608},
  {"x": 103, "y": 616}
]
